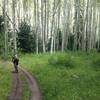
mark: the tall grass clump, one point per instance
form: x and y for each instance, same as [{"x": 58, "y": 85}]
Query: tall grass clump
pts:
[
  {"x": 62, "y": 60},
  {"x": 96, "y": 63}
]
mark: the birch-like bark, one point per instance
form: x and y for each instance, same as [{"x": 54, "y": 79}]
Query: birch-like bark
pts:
[
  {"x": 5, "y": 25},
  {"x": 52, "y": 27},
  {"x": 14, "y": 26},
  {"x": 37, "y": 29}
]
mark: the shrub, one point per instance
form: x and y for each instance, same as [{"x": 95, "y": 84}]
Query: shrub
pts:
[
  {"x": 60, "y": 60},
  {"x": 53, "y": 60},
  {"x": 1, "y": 24},
  {"x": 96, "y": 63}
]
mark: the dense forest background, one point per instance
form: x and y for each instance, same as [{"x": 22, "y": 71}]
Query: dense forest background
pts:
[{"x": 49, "y": 25}]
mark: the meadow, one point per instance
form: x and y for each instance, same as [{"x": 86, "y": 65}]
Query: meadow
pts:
[{"x": 66, "y": 76}]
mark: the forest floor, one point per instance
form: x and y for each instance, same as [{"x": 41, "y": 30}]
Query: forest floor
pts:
[
  {"x": 18, "y": 87},
  {"x": 60, "y": 76}
]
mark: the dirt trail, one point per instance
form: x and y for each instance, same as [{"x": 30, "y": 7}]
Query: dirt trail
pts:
[
  {"x": 16, "y": 93},
  {"x": 17, "y": 88}
]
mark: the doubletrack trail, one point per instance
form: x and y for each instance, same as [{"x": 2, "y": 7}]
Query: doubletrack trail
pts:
[{"x": 18, "y": 87}]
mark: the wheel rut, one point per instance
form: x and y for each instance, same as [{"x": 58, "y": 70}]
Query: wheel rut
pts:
[
  {"x": 33, "y": 86},
  {"x": 17, "y": 87}
]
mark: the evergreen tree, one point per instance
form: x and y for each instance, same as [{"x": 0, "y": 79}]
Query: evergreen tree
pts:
[
  {"x": 1, "y": 33},
  {"x": 26, "y": 40}
]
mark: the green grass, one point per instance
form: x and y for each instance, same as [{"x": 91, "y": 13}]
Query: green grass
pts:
[
  {"x": 63, "y": 80},
  {"x": 5, "y": 80},
  {"x": 26, "y": 91}
]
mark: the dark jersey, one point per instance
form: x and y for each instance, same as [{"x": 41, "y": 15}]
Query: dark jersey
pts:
[{"x": 16, "y": 61}]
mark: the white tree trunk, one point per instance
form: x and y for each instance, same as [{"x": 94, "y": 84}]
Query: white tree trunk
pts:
[
  {"x": 14, "y": 27},
  {"x": 5, "y": 25}
]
